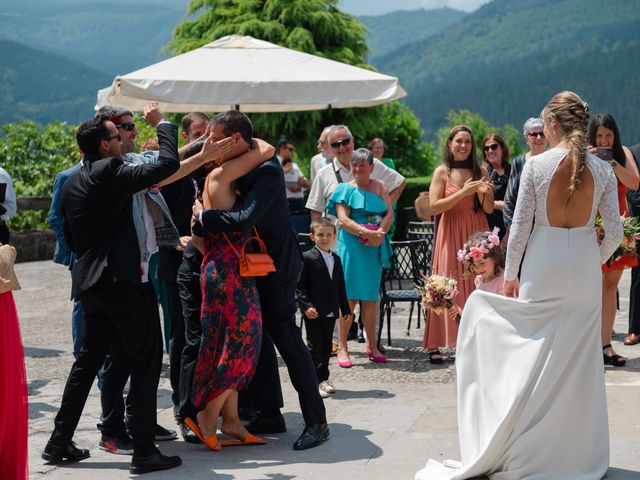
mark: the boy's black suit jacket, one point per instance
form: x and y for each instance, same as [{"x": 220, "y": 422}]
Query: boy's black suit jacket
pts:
[{"x": 317, "y": 289}]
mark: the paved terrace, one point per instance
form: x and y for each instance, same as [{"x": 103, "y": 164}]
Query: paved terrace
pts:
[{"x": 385, "y": 420}]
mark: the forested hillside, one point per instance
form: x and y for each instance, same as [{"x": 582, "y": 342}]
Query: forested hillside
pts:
[
  {"x": 113, "y": 37},
  {"x": 393, "y": 30},
  {"x": 45, "y": 87},
  {"x": 506, "y": 59}
]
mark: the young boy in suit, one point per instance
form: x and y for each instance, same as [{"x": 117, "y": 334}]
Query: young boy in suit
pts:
[{"x": 322, "y": 298}]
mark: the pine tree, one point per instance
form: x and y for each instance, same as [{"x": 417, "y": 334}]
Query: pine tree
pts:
[{"x": 316, "y": 27}]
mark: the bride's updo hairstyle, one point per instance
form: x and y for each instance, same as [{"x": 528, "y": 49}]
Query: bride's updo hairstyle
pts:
[{"x": 572, "y": 114}]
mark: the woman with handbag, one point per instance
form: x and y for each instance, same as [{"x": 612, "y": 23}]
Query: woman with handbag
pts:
[
  {"x": 365, "y": 214},
  {"x": 460, "y": 192},
  {"x": 230, "y": 316},
  {"x": 13, "y": 382}
]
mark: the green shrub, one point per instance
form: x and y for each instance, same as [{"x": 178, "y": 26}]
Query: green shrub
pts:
[{"x": 415, "y": 185}]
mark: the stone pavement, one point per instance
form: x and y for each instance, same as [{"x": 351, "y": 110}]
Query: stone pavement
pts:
[{"x": 385, "y": 420}]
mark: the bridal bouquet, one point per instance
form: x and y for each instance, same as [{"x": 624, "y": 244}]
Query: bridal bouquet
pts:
[
  {"x": 631, "y": 233},
  {"x": 438, "y": 293}
]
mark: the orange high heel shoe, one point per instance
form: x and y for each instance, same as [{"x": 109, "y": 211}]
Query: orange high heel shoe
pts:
[{"x": 211, "y": 441}]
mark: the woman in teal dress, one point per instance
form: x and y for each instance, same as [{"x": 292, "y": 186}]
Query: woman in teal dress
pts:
[{"x": 364, "y": 216}]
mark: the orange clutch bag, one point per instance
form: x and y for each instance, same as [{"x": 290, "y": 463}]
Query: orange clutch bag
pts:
[{"x": 253, "y": 264}]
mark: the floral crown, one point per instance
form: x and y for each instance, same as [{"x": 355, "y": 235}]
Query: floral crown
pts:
[{"x": 480, "y": 249}]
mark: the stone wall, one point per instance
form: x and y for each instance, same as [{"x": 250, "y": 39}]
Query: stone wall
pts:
[{"x": 32, "y": 246}]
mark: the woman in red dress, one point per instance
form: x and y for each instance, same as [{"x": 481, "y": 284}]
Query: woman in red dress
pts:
[
  {"x": 461, "y": 192},
  {"x": 14, "y": 411},
  {"x": 604, "y": 136}
]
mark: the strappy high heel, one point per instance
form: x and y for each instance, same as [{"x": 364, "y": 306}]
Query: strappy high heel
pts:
[{"x": 615, "y": 359}]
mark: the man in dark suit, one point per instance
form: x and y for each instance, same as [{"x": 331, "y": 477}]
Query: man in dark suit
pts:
[
  {"x": 633, "y": 198},
  {"x": 322, "y": 297},
  {"x": 179, "y": 196},
  {"x": 107, "y": 278},
  {"x": 265, "y": 207}
]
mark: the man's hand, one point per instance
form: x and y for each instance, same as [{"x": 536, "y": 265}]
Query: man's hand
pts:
[
  {"x": 183, "y": 243},
  {"x": 152, "y": 114},
  {"x": 197, "y": 208},
  {"x": 311, "y": 313}
]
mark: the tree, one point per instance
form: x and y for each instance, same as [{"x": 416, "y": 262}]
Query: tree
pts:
[{"x": 319, "y": 28}]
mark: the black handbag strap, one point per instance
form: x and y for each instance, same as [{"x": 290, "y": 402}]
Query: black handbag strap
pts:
[{"x": 337, "y": 173}]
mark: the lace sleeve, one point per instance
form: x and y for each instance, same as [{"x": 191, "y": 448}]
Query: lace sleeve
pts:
[
  {"x": 610, "y": 213},
  {"x": 522, "y": 222}
]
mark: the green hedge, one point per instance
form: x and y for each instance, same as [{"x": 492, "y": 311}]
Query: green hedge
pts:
[{"x": 415, "y": 185}]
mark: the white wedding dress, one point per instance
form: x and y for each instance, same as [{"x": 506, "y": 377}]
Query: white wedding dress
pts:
[{"x": 531, "y": 394}]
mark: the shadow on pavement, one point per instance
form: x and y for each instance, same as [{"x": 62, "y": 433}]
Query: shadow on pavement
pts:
[
  {"x": 37, "y": 352},
  {"x": 342, "y": 394}
]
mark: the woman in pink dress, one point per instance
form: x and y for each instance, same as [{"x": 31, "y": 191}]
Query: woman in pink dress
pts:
[
  {"x": 461, "y": 193},
  {"x": 13, "y": 382}
]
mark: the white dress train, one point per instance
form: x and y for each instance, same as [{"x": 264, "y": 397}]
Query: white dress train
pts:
[{"x": 530, "y": 375}]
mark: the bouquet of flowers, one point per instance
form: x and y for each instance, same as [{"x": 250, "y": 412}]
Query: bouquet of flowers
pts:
[
  {"x": 630, "y": 232},
  {"x": 438, "y": 293}
]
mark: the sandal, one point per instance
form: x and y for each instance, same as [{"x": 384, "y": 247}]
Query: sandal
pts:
[
  {"x": 435, "y": 357},
  {"x": 615, "y": 359}
]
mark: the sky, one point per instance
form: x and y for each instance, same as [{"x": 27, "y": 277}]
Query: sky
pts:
[{"x": 380, "y": 7}]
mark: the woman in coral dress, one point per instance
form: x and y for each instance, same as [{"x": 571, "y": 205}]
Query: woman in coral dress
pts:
[
  {"x": 603, "y": 133},
  {"x": 461, "y": 193},
  {"x": 14, "y": 412}
]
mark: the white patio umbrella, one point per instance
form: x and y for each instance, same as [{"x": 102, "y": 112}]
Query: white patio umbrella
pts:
[{"x": 253, "y": 76}]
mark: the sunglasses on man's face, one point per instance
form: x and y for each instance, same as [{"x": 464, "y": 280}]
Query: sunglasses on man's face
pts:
[
  {"x": 116, "y": 136},
  {"x": 341, "y": 143},
  {"x": 493, "y": 147},
  {"x": 536, "y": 134},
  {"x": 128, "y": 126}
]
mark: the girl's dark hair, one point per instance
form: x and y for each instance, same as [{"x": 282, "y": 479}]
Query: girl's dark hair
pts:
[
  {"x": 497, "y": 254},
  {"x": 447, "y": 156},
  {"x": 606, "y": 120},
  {"x": 503, "y": 145}
]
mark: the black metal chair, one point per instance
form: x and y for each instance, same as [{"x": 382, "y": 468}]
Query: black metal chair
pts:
[
  {"x": 410, "y": 259},
  {"x": 422, "y": 231}
]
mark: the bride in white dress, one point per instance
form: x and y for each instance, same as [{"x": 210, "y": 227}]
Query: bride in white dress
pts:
[{"x": 531, "y": 394}]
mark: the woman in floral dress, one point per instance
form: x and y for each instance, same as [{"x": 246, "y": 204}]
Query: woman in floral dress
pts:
[{"x": 230, "y": 318}]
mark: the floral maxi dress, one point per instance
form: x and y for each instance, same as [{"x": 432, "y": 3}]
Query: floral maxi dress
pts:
[{"x": 230, "y": 318}]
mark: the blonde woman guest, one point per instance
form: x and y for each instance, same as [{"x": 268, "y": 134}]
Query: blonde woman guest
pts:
[{"x": 461, "y": 193}]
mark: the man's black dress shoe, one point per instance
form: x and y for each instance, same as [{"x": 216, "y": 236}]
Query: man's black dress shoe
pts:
[
  {"x": 155, "y": 461},
  {"x": 267, "y": 424},
  {"x": 247, "y": 413},
  {"x": 57, "y": 454},
  {"x": 312, "y": 436},
  {"x": 187, "y": 435}
]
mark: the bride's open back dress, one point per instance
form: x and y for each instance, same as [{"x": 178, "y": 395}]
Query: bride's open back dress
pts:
[{"x": 530, "y": 374}]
